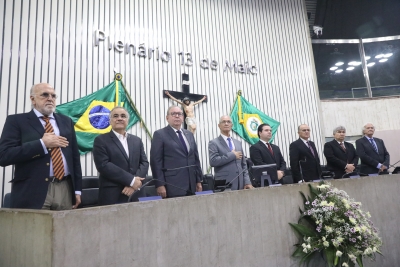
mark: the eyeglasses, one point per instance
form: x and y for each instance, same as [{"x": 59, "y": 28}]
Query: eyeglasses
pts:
[
  {"x": 306, "y": 130},
  {"x": 226, "y": 122},
  {"x": 176, "y": 114},
  {"x": 47, "y": 95}
]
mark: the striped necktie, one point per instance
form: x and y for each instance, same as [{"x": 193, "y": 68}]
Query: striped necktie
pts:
[
  {"x": 373, "y": 144},
  {"x": 55, "y": 153}
]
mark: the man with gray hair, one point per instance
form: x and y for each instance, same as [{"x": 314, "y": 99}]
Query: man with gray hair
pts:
[
  {"x": 341, "y": 156},
  {"x": 42, "y": 146},
  {"x": 174, "y": 158},
  {"x": 226, "y": 156},
  {"x": 120, "y": 160},
  {"x": 372, "y": 152}
]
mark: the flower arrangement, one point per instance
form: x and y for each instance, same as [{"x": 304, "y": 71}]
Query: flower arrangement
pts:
[{"x": 334, "y": 225}]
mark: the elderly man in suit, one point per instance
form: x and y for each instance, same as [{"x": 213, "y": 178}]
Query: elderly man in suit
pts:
[
  {"x": 226, "y": 156},
  {"x": 262, "y": 152},
  {"x": 341, "y": 156},
  {"x": 304, "y": 158},
  {"x": 120, "y": 159},
  {"x": 372, "y": 152},
  {"x": 174, "y": 159},
  {"x": 42, "y": 145}
]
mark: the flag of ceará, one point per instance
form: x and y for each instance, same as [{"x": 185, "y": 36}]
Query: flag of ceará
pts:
[
  {"x": 90, "y": 114},
  {"x": 246, "y": 118}
]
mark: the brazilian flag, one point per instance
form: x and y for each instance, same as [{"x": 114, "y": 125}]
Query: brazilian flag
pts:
[
  {"x": 90, "y": 113},
  {"x": 246, "y": 118}
]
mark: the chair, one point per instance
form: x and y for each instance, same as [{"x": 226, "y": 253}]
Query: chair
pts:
[
  {"x": 90, "y": 191},
  {"x": 6, "y": 201}
]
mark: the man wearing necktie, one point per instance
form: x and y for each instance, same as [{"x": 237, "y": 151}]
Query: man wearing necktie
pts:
[
  {"x": 42, "y": 145},
  {"x": 372, "y": 152},
  {"x": 304, "y": 158},
  {"x": 174, "y": 158},
  {"x": 120, "y": 160},
  {"x": 226, "y": 156},
  {"x": 263, "y": 152},
  {"x": 341, "y": 156}
]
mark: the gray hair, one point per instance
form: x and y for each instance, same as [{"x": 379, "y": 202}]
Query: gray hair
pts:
[
  {"x": 363, "y": 128},
  {"x": 173, "y": 107},
  {"x": 298, "y": 128},
  {"x": 339, "y": 128},
  {"x": 220, "y": 119},
  {"x": 117, "y": 107}
]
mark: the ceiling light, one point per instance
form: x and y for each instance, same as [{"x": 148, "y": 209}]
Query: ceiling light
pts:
[
  {"x": 371, "y": 64},
  {"x": 388, "y": 55},
  {"x": 383, "y": 60},
  {"x": 333, "y": 68},
  {"x": 339, "y": 64},
  {"x": 367, "y": 57},
  {"x": 338, "y": 71},
  {"x": 350, "y": 68},
  {"x": 379, "y": 56},
  {"x": 352, "y": 63}
]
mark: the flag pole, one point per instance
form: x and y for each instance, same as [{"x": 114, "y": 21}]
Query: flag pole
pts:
[{"x": 118, "y": 77}]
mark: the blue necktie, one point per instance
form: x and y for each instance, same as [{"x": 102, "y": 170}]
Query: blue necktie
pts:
[
  {"x": 373, "y": 144},
  {"x": 182, "y": 141},
  {"x": 229, "y": 143}
]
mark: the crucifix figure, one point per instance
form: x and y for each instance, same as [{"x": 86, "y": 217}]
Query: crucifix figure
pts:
[{"x": 188, "y": 101}]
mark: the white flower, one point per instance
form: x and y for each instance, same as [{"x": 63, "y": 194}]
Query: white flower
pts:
[
  {"x": 326, "y": 243},
  {"x": 304, "y": 245},
  {"x": 374, "y": 249},
  {"x": 308, "y": 246},
  {"x": 345, "y": 264},
  {"x": 338, "y": 253},
  {"x": 305, "y": 250}
]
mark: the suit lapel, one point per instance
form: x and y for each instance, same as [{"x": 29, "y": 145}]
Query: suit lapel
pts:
[
  {"x": 339, "y": 147},
  {"x": 224, "y": 144},
  {"x": 115, "y": 139},
  {"x": 307, "y": 148},
  {"x": 372, "y": 147},
  {"x": 172, "y": 133},
  {"x": 34, "y": 121},
  {"x": 189, "y": 139},
  {"x": 264, "y": 148}
]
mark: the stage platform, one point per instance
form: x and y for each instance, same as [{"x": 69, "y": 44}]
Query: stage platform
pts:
[{"x": 239, "y": 228}]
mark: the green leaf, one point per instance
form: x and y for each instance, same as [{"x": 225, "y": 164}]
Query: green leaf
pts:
[
  {"x": 299, "y": 252},
  {"x": 336, "y": 261},
  {"x": 303, "y": 230},
  {"x": 308, "y": 257},
  {"x": 313, "y": 190},
  {"x": 330, "y": 255},
  {"x": 359, "y": 261}
]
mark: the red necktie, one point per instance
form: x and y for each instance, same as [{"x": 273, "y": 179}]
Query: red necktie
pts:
[
  {"x": 55, "y": 153},
  {"x": 270, "y": 149},
  {"x": 342, "y": 146}
]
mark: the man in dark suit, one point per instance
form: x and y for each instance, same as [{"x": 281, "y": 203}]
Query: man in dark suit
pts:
[
  {"x": 341, "y": 156},
  {"x": 304, "y": 159},
  {"x": 120, "y": 159},
  {"x": 174, "y": 158},
  {"x": 42, "y": 145},
  {"x": 262, "y": 152},
  {"x": 226, "y": 156},
  {"x": 372, "y": 152}
]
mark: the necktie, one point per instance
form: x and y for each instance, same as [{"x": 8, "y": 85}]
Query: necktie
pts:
[
  {"x": 342, "y": 146},
  {"x": 229, "y": 143},
  {"x": 182, "y": 141},
  {"x": 270, "y": 149},
  {"x": 312, "y": 150},
  {"x": 373, "y": 144},
  {"x": 55, "y": 153}
]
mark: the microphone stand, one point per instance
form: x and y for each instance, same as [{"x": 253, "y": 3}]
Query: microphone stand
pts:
[
  {"x": 301, "y": 169},
  {"x": 230, "y": 183}
]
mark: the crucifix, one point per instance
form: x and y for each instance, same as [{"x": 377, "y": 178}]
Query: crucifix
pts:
[{"x": 188, "y": 101}]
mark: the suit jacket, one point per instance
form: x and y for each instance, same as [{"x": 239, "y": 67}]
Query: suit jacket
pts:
[
  {"x": 311, "y": 167},
  {"x": 225, "y": 164},
  {"x": 20, "y": 146},
  {"x": 116, "y": 168},
  {"x": 369, "y": 157},
  {"x": 337, "y": 158},
  {"x": 260, "y": 155},
  {"x": 167, "y": 153}
]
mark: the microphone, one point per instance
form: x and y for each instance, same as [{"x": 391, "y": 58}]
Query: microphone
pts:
[
  {"x": 173, "y": 169},
  {"x": 143, "y": 185},
  {"x": 230, "y": 183}
]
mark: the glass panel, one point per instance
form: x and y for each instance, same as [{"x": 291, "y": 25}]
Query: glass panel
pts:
[
  {"x": 339, "y": 71},
  {"x": 383, "y": 67}
]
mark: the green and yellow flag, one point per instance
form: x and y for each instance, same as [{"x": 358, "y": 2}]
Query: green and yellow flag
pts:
[
  {"x": 246, "y": 118},
  {"x": 90, "y": 113}
]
